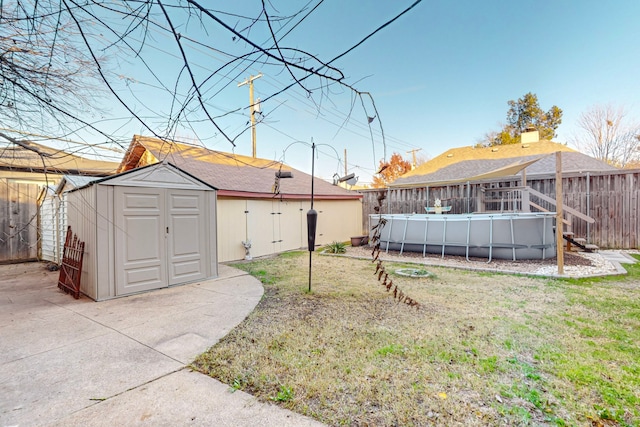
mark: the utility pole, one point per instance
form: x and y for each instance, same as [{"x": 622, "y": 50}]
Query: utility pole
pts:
[
  {"x": 345, "y": 162},
  {"x": 414, "y": 164},
  {"x": 252, "y": 109}
]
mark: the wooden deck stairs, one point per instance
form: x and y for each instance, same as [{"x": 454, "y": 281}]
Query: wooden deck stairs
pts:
[
  {"x": 514, "y": 199},
  {"x": 573, "y": 243},
  {"x": 578, "y": 242}
]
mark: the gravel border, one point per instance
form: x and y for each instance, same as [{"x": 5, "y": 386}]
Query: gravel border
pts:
[{"x": 576, "y": 264}]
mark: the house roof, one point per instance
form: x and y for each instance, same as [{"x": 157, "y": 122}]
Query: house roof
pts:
[
  {"x": 40, "y": 158},
  {"x": 232, "y": 174},
  {"x": 475, "y": 163}
]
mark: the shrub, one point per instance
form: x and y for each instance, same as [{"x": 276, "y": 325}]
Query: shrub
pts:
[{"x": 336, "y": 248}]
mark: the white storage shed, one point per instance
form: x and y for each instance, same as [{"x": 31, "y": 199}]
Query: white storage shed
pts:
[{"x": 145, "y": 229}]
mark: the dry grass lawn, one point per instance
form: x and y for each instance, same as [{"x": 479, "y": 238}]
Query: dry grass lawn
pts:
[{"x": 483, "y": 349}]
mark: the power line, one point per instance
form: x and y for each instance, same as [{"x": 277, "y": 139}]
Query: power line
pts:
[
  {"x": 320, "y": 109},
  {"x": 299, "y": 96}
]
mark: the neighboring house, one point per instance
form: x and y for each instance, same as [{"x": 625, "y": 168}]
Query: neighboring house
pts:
[
  {"x": 459, "y": 165},
  {"x": 24, "y": 172},
  {"x": 600, "y": 201},
  {"x": 255, "y": 206}
]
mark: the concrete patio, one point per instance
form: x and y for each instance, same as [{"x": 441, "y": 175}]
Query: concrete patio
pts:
[{"x": 121, "y": 362}]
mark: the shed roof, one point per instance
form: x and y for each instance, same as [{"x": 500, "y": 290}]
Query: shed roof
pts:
[
  {"x": 232, "y": 174},
  {"x": 162, "y": 174},
  {"x": 69, "y": 182},
  {"x": 475, "y": 163},
  {"x": 41, "y": 159}
]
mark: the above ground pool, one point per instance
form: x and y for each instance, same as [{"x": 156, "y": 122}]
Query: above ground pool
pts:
[{"x": 486, "y": 235}]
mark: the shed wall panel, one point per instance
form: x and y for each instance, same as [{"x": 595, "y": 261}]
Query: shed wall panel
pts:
[
  {"x": 81, "y": 216},
  {"x": 212, "y": 230},
  {"x": 105, "y": 269}
]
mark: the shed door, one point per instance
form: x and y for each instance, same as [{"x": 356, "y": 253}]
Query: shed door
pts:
[
  {"x": 140, "y": 246},
  {"x": 185, "y": 234}
]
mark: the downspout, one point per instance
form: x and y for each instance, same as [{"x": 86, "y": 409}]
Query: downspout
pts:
[
  {"x": 246, "y": 243},
  {"x": 246, "y": 220}
]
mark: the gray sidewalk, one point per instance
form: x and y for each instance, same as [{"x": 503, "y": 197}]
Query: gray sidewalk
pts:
[{"x": 122, "y": 362}]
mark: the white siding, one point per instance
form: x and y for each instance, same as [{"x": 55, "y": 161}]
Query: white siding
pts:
[
  {"x": 212, "y": 230},
  {"x": 49, "y": 228},
  {"x": 62, "y": 225}
]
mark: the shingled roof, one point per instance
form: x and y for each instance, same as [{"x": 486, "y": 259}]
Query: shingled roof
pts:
[
  {"x": 473, "y": 163},
  {"x": 232, "y": 174},
  {"x": 32, "y": 157}
]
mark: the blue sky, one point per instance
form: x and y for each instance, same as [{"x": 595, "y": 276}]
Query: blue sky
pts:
[{"x": 441, "y": 76}]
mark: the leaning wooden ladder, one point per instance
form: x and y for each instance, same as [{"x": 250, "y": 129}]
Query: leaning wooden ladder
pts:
[{"x": 71, "y": 267}]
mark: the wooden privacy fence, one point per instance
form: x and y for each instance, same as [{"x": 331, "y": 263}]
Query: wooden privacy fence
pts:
[
  {"x": 18, "y": 221},
  {"x": 611, "y": 198}
]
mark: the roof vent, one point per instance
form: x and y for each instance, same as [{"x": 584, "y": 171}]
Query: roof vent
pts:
[
  {"x": 494, "y": 149},
  {"x": 450, "y": 155},
  {"x": 284, "y": 174}
]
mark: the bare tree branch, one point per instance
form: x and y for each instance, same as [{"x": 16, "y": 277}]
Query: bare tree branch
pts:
[
  {"x": 55, "y": 54},
  {"x": 608, "y": 135}
]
